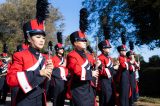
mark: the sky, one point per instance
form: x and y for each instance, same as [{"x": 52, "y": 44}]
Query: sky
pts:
[{"x": 70, "y": 11}]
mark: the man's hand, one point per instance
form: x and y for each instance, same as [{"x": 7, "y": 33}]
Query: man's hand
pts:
[
  {"x": 95, "y": 73},
  {"x": 116, "y": 66},
  {"x": 49, "y": 64},
  {"x": 46, "y": 73}
]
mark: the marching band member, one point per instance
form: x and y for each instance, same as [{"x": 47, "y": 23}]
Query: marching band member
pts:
[
  {"x": 4, "y": 65},
  {"x": 123, "y": 74},
  {"x": 60, "y": 72},
  {"x": 131, "y": 61},
  {"x": 29, "y": 70},
  {"x": 106, "y": 83},
  {"x": 106, "y": 96},
  {"x": 133, "y": 66},
  {"x": 78, "y": 64},
  {"x": 137, "y": 68}
]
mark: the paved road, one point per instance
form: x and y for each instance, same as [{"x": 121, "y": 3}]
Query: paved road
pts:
[{"x": 8, "y": 102}]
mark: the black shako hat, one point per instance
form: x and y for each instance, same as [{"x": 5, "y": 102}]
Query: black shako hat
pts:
[
  {"x": 80, "y": 35},
  {"x": 36, "y": 26},
  {"x": 59, "y": 45}
]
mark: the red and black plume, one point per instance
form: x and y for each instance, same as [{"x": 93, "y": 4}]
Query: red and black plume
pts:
[
  {"x": 123, "y": 38},
  {"x": 123, "y": 46},
  {"x": 83, "y": 20},
  {"x": 36, "y": 26},
  {"x": 83, "y": 25},
  {"x": 59, "y": 37},
  {"x": 105, "y": 27},
  {"x": 105, "y": 43},
  {"x": 106, "y": 32},
  {"x": 42, "y": 10},
  {"x": 131, "y": 45},
  {"x": 5, "y": 48},
  {"x": 59, "y": 45}
]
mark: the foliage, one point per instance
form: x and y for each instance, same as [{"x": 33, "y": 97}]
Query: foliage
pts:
[
  {"x": 14, "y": 13},
  {"x": 154, "y": 61},
  {"x": 117, "y": 16},
  {"x": 146, "y": 15},
  {"x": 139, "y": 19}
]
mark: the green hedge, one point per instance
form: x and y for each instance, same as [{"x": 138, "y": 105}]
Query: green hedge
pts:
[{"x": 149, "y": 84}]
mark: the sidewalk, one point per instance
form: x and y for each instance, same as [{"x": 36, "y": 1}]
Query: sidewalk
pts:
[{"x": 8, "y": 102}]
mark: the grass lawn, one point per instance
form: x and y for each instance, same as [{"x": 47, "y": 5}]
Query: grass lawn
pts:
[{"x": 148, "y": 101}]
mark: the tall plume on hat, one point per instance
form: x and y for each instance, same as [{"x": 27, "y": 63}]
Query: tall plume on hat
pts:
[
  {"x": 131, "y": 45},
  {"x": 59, "y": 37},
  {"x": 123, "y": 38},
  {"x": 105, "y": 27},
  {"x": 5, "y": 48},
  {"x": 42, "y": 10},
  {"x": 83, "y": 20}
]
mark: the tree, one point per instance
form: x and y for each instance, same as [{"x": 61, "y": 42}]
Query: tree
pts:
[
  {"x": 154, "y": 61},
  {"x": 67, "y": 44},
  {"x": 14, "y": 13},
  {"x": 146, "y": 15},
  {"x": 116, "y": 15},
  {"x": 139, "y": 19}
]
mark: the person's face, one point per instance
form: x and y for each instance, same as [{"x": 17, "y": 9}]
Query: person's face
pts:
[
  {"x": 37, "y": 41},
  {"x": 61, "y": 51},
  {"x": 132, "y": 56},
  {"x": 80, "y": 44},
  {"x": 123, "y": 53},
  {"x": 106, "y": 50}
]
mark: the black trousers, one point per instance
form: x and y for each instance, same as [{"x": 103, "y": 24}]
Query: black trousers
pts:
[
  {"x": 82, "y": 94},
  {"x": 37, "y": 101},
  {"x": 106, "y": 95},
  {"x": 3, "y": 89},
  {"x": 58, "y": 92},
  {"x": 133, "y": 87},
  {"x": 124, "y": 88}
]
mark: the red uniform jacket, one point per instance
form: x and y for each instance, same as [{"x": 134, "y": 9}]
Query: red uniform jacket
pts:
[
  {"x": 91, "y": 59},
  {"x": 123, "y": 66},
  {"x": 24, "y": 72},
  {"x": 123, "y": 63},
  {"x": 106, "y": 66},
  {"x": 133, "y": 66},
  {"x": 1, "y": 63},
  {"x": 107, "y": 69},
  {"x": 59, "y": 70},
  {"x": 79, "y": 66},
  {"x": 4, "y": 54}
]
